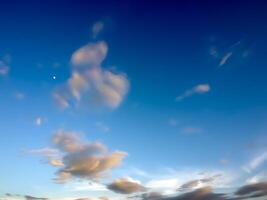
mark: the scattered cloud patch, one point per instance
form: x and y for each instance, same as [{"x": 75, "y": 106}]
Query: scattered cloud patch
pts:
[
  {"x": 5, "y": 65},
  {"x": 256, "y": 162},
  {"x": 204, "y": 193},
  {"x": 171, "y": 183},
  {"x": 3, "y": 69},
  {"x": 39, "y": 121},
  {"x": 198, "y": 89},
  {"x": 225, "y": 58},
  {"x": 237, "y": 51},
  {"x": 252, "y": 190},
  {"x": 260, "y": 177},
  {"x": 80, "y": 159},
  {"x": 126, "y": 186},
  {"x": 205, "y": 181},
  {"x": 19, "y": 95},
  {"x": 84, "y": 185},
  {"x": 27, "y": 197},
  {"x": 90, "y": 85},
  {"x": 97, "y": 28}
]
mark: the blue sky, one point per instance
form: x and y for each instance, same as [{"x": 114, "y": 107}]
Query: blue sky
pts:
[{"x": 121, "y": 99}]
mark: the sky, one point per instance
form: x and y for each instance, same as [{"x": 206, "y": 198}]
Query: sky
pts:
[{"x": 111, "y": 100}]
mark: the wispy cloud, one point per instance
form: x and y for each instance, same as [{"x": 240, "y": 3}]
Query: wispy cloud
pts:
[
  {"x": 183, "y": 180},
  {"x": 169, "y": 183},
  {"x": 84, "y": 185},
  {"x": 52, "y": 156},
  {"x": 256, "y": 162},
  {"x": 39, "y": 121},
  {"x": 197, "y": 183},
  {"x": 198, "y": 89},
  {"x": 260, "y": 177},
  {"x": 4, "y": 65},
  {"x": 3, "y": 69},
  {"x": 97, "y": 28},
  {"x": 252, "y": 190},
  {"x": 225, "y": 58}
]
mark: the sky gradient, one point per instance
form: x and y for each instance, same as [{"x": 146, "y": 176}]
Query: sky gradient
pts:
[{"x": 133, "y": 100}]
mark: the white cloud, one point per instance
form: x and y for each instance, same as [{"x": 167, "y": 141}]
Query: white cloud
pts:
[
  {"x": 90, "y": 85},
  {"x": 163, "y": 183},
  {"x": 198, "y": 89},
  {"x": 257, "y": 178},
  {"x": 86, "y": 186}
]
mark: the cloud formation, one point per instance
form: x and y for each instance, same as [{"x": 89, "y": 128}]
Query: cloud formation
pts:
[
  {"x": 97, "y": 28},
  {"x": 198, "y": 89},
  {"x": 193, "y": 184},
  {"x": 204, "y": 193},
  {"x": 236, "y": 52},
  {"x": 225, "y": 58},
  {"x": 103, "y": 198},
  {"x": 3, "y": 69},
  {"x": 90, "y": 85},
  {"x": 39, "y": 121},
  {"x": 252, "y": 190},
  {"x": 27, "y": 197},
  {"x": 256, "y": 162},
  {"x": 4, "y": 65},
  {"x": 79, "y": 159},
  {"x": 51, "y": 155},
  {"x": 126, "y": 186}
]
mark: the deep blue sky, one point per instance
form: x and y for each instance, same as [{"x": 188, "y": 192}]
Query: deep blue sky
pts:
[{"x": 196, "y": 101}]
